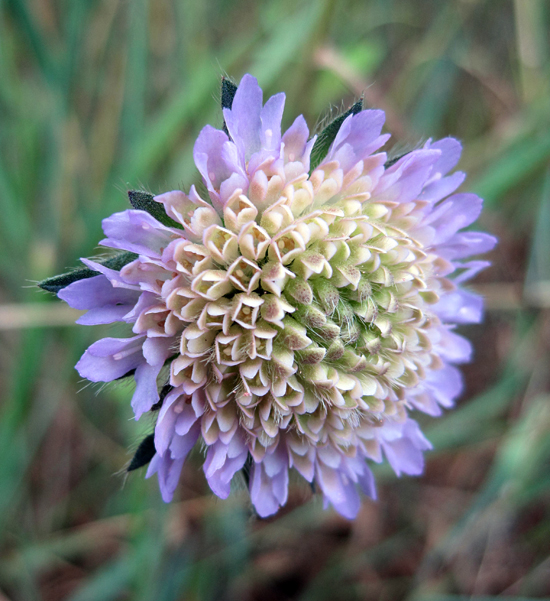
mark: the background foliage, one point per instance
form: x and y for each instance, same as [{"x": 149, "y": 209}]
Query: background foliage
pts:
[{"x": 98, "y": 96}]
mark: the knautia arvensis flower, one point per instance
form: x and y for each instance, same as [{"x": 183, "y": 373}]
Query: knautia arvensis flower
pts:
[{"x": 305, "y": 303}]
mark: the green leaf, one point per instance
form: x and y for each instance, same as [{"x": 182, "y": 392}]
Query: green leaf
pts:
[
  {"x": 326, "y": 137},
  {"x": 229, "y": 89},
  {"x": 145, "y": 202},
  {"x": 58, "y": 282},
  {"x": 144, "y": 453}
]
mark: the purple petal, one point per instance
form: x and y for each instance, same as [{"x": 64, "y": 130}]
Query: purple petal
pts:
[
  {"x": 168, "y": 471},
  {"x": 440, "y": 188},
  {"x": 349, "y": 507},
  {"x": 280, "y": 486},
  {"x": 111, "y": 274},
  {"x": 111, "y": 358},
  {"x": 222, "y": 462},
  {"x": 168, "y": 466},
  {"x": 105, "y": 304},
  {"x": 445, "y": 385},
  {"x": 364, "y": 129},
  {"x": 330, "y": 483},
  {"x": 460, "y": 307},
  {"x": 145, "y": 301},
  {"x": 465, "y": 244},
  {"x": 138, "y": 232},
  {"x": 271, "y": 116},
  {"x": 405, "y": 454},
  {"x": 295, "y": 140},
  {"x": 181, "y": 445},
  {"x": 157, "y": 350},
  {"x": 146, "y": 393},
  {"x": 404, "y": 180},
  {"x": 453, "y": 214},
  {"x": 451, "y": 149},
  {"x": 243, "y": 119},
  {"x": 164, "y": 430},
  {"x": 146, "y": 273},
  {"x": 267, "y": 494},
  {"x": 185, "y": 419},
  {"x": 471, "y": 269},
  {"x": 358, "y": 137},
  {"x": 454, "y": 348},
  {"x": 215, "y": 159},
  {"x": 367, "y": 483}
]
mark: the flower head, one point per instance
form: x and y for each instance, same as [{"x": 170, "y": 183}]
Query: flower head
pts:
[{"x": 304, "y": 314}]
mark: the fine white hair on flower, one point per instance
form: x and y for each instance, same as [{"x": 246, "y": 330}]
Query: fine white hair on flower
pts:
[{"x": 305, "y": 306}]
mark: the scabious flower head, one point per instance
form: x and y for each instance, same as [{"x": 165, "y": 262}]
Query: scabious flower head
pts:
[{"x": 305, "y": 313}]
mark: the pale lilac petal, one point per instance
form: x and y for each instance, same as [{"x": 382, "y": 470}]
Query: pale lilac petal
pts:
[
  {"x": 229, "y": 186},
  {"x": 154, "y": 465},
  {"x": 111, "y": 358},
  {"x": 146, "y": 273},
  {"x": 169, "y": 477}
]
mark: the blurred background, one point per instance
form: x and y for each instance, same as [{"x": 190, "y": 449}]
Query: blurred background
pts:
[{"x": 101, "y": 96}]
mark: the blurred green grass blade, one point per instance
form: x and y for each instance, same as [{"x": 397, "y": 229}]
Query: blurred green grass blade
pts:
[
  {"x": 469, "y": 423},
  {"x": 522, "y": 457},
  {"x": 133, "y": 112},
  {"x": 14, "y": 220},
  {"x": 159, "y": 138},
  {"x": 77, "y": 17},
  {"x": 432, "y": 106},
  {"x": 436, "y": 597},
  {"x": 22, "y": 426},
  {"x": 109, "y": 583},
  {"x": 286, "y": 42},
  {"x": 35, "y": 38},
  {"x": 520, "y": 161},
  {"x": 537, "y": 280}
]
